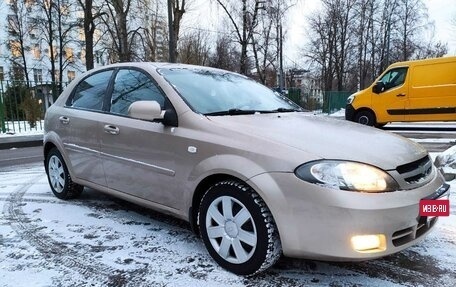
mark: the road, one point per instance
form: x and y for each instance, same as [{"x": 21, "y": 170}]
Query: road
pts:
[
  {"x": 18, "y": 156},
  {"x": 434, "y": 137}
]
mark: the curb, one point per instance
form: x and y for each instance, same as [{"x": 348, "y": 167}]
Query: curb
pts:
[{"x": 21, "y": 141}]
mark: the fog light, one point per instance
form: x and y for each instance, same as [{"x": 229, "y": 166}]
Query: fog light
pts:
[{"x": 369, "y": 243}]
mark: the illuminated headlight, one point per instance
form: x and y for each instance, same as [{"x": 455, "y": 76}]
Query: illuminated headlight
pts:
[
  {"x": 347, "y": 175},
  {"x": 350, "y": 99}
]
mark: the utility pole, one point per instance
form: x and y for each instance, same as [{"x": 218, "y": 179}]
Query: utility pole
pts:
[
  {"x": 171, "y": 48},
  {"x": 281, "y": 78}
]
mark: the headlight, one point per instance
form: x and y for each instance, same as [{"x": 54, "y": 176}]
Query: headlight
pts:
[
  {"x": 347, "y": 175},
  {"x": 350, "y": 99}
]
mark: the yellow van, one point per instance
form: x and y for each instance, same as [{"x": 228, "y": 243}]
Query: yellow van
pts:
[{"x": 413, "y": 91}]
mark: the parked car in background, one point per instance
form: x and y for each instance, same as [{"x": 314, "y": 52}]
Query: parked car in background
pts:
[
  {"x": 413, "y": 91},
  {"x": 253, "y": 174}
]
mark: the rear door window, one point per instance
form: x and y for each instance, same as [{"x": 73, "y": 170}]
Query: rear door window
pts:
[{"x": 89, "y": 94}]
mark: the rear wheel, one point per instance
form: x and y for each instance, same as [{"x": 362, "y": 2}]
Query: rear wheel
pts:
[
  {"x": 365, "y": 118},
  {"x": 238, "y": 229},
  {"x": 59, "y": 178}
]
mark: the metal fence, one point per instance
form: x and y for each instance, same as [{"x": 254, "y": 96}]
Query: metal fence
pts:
[
  {"x": 23, "y": 105},
  {"x": 315, "y": 100}
]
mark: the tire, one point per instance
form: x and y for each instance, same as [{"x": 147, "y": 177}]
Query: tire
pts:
[
  {"x": 238, "y": 229},
  {"x": 59, "y": 178},
  {"x": 365, "y": 118}
]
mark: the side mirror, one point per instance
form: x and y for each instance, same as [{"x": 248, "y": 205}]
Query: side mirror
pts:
[
  {"x": 145, "y": 110},
  {"x": 378, "y": 87},
  {"x": 151, "y": 110}
]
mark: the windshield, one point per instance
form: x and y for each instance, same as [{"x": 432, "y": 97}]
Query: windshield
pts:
[{"x": 212, "y": 92}]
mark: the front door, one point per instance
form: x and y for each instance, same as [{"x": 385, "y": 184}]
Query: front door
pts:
[
  {"x": 138, "y": 156},
  {"x": 390, "y": 103}
]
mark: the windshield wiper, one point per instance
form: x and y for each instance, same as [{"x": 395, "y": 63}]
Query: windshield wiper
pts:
[
  {"x": 282, "y": 110},
  {"x": 232, "y": 112}
]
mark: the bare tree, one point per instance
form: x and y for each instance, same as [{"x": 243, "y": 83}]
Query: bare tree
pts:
[
  {"x": 115, "y": 21},
  {"x": 353, "y": 41},
  {"x": 243, "y": 22},
  {"x": 225, "y": 55},
  {"x": 178, "y": 8},
  {"x": 91, "y": 14},
  {"x": 267, "y": 39},
  {"x": 194, "y": 48},
  {"x": 19, "y": 29}
]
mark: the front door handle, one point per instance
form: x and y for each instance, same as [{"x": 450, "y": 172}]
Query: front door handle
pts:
[
  {"x": 64, "y": 120},
  {"x": 113, "y": 130},
  {"x": 400, "y": 95}
]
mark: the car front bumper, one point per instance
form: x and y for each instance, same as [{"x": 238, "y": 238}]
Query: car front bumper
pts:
[{"x": 316, "y": 222}]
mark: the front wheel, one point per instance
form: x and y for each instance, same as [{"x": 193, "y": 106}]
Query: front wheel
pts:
[
  {"x": 238, "y": 229},
  {"x": 59, "y": 178},
  {"x": 365, "y": 118}
]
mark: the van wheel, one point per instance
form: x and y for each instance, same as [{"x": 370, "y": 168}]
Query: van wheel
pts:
[
  {"x": 238, "y": 229},
  {"x": 365, "y": 118}
]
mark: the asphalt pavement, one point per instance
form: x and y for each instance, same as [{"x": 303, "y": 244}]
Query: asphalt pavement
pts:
[{"x": 19, "y": 156}]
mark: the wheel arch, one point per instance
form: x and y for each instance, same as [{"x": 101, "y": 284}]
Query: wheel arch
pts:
[
  {"x": 199, "y": 192},
  {"x": 365, "y": 109}
]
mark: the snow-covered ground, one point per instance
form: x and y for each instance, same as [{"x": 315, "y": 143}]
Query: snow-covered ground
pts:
[
  {"x": 21, "y": 128},
  {"x": 101, "y": 241}
]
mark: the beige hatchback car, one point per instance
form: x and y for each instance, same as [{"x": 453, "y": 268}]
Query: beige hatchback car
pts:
[{"x": 252, "y": 172}]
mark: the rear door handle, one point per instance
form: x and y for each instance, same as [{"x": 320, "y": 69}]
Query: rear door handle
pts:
[
  {"x": 64, "y": 120},
  {"x": 113, "y": 130},
  {"x": 400, "y": 95}
]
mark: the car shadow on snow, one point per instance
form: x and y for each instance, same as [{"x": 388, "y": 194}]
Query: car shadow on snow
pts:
[{"x": 407, "y": 268}]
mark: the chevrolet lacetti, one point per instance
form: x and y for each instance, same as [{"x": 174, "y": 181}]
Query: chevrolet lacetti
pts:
[{"x": 254, "y": 174}]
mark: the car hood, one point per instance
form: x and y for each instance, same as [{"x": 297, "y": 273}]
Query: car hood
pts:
[{"x": 326, "y": 138}]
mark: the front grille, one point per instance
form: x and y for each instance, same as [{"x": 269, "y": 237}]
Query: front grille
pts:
[
  {"x": 416, "y": 171},
  {"x": 406, "y": 235}
]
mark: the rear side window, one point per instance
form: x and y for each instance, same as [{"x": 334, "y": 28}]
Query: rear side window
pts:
[
  {"x": 131, "y": 86},
  {"x": 89, "y": 94}
]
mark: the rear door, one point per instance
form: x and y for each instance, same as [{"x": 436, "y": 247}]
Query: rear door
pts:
[
  {"x": 390, "y": 104},
  {"x": 79, "y": 127}
]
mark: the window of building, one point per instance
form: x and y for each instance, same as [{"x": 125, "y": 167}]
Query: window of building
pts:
[
  {"x": 55, "y": 52},
  {"x": 13, "y": 25},
  {"x": 81, "y": 34},
  {"x": 89, "y": 94},
  {"x": 15, "y": 47},
  {"x": 38, "y": 75},
  {"x": 69, "y": 54},
  {"x": 57, "y": 75},
  {"x": 71, "y": 75},
  {"x": 83, "y": 56},
  {"x": 131, "y": 86},
  {"x": 2, "y": 75},
  {"x": 36, "y": 51},
  {"x": 18, "y": 72}
]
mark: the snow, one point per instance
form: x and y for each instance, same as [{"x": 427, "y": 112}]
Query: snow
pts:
[
  {"x": 97, "y": 240},
  {"x": 21, "y": 128}
]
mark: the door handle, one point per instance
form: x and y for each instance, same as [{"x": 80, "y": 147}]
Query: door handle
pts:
[
  {"x": 113, "y": 130},
  {"x": 400, "y": 95},
  {"x": 64, "y": 120}
]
